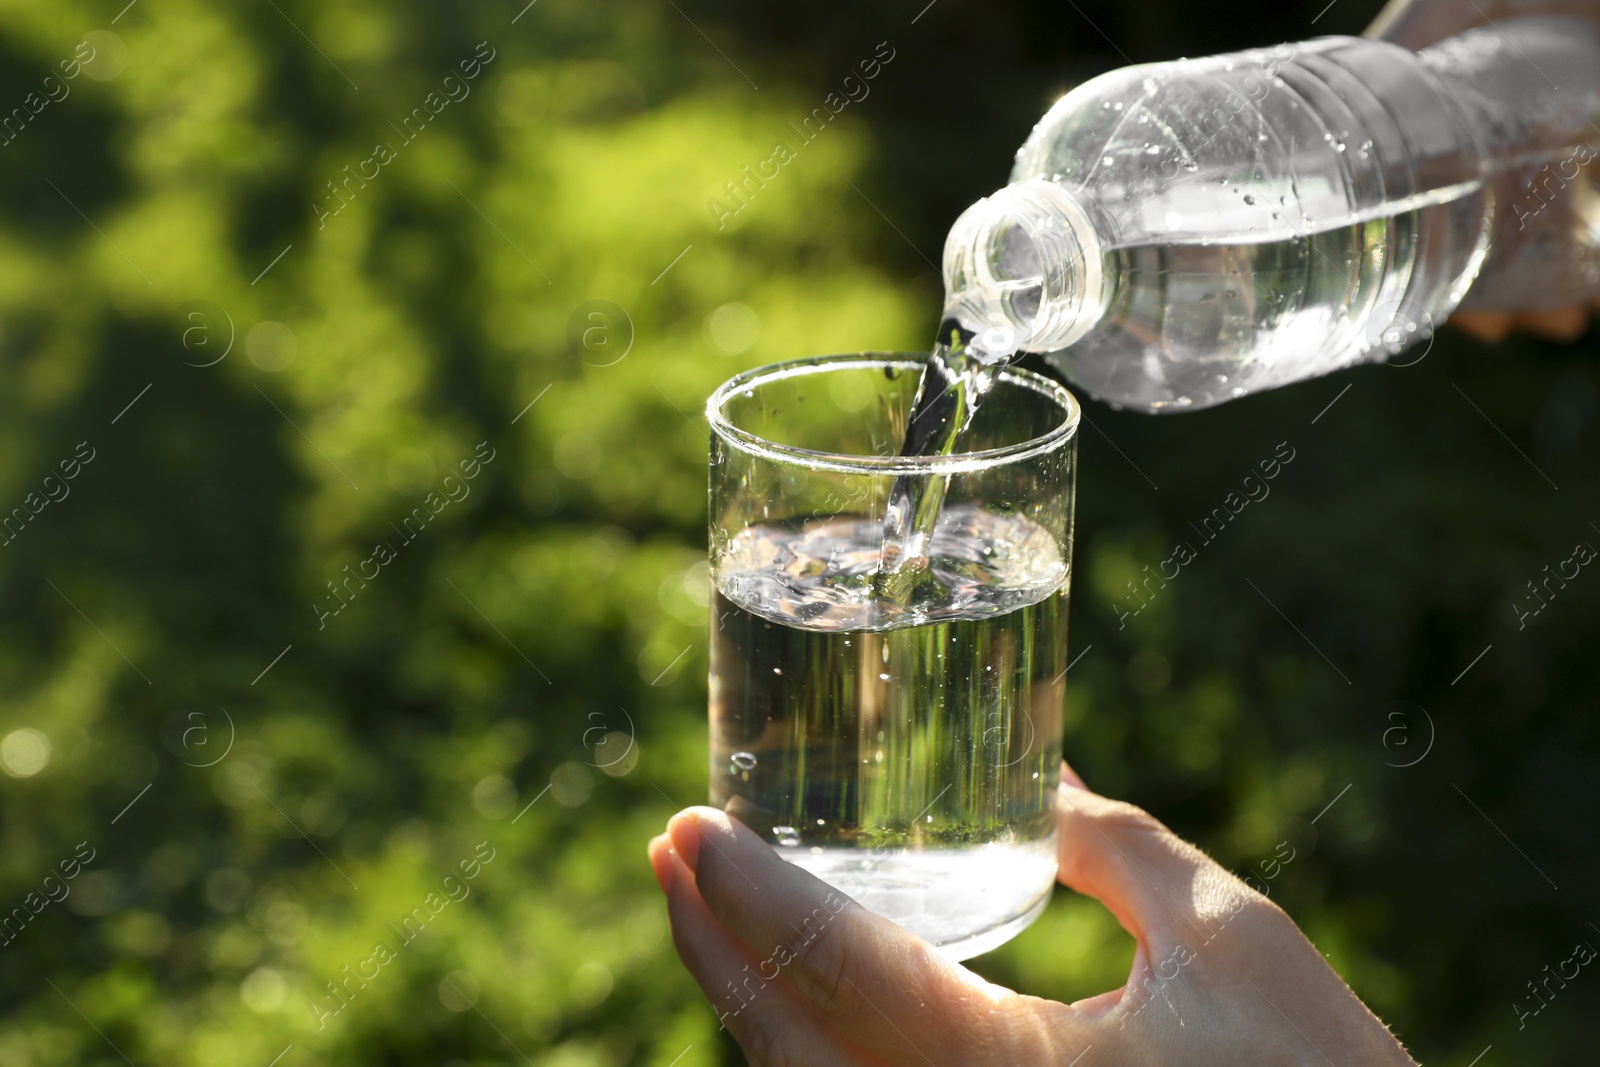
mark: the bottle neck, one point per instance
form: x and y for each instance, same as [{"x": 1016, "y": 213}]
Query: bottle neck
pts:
[{"x": 1022, "y": 270}]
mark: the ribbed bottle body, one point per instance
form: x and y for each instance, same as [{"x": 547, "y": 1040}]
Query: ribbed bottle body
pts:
[{"x": 1264, "y": 217}]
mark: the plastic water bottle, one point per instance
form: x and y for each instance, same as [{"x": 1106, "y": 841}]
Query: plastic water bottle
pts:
[{"x": 1179, "y": 234}]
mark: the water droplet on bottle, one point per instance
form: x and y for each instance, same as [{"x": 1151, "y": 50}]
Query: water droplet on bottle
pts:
[
  {"x": 787, "y": 836},
  {"x": 1249, "y": 199},
  {"x": 744, "y": 761}
]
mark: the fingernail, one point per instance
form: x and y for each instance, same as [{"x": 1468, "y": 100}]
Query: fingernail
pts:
[
  {"x": 660, "y": 852},
  {"x": 684, "y": 833}
]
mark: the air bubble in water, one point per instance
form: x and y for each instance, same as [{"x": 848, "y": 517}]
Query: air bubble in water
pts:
[
  {"x": 787, "y": 836},
  {"x": 745, "y": 761}
]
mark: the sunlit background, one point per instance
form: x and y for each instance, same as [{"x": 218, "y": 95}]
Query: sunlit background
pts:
[{"x": 352, "y": 584}]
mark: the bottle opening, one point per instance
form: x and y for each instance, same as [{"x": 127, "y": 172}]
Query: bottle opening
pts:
[{"x": 1022, "y": 271}]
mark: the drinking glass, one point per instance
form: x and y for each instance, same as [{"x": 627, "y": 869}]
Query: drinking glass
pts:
[{"x": 900, "y": 740}]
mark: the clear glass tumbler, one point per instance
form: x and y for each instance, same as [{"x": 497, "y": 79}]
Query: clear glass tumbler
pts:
[{"x": 904, "y": 748}]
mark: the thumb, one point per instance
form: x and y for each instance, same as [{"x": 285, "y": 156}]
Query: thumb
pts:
[
  {"x": 1161, "y": 889},
  {"x": 876, "y": 984}
]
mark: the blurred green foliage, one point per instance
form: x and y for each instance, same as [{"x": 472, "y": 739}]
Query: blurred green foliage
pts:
[{"x": 527, "y": 671}]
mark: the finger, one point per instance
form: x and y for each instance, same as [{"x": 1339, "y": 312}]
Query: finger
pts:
[
  {"x": 1556, "y": 324},
  {"x": 879, "y": 985},
  {"x": 1160, "y": 888},
  {"x": 1489, "y": 326},
  {"x": 771, "y": 1022}
]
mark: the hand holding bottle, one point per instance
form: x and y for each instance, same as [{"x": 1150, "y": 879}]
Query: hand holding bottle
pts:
[{"x": 800, "y": 974}]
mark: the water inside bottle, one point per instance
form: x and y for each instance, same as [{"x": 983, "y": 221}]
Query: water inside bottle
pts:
[{"x": 1192, "y": 322}]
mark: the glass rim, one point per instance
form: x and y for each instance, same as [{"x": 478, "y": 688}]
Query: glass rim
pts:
[{"x": 851, "y": 463}]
